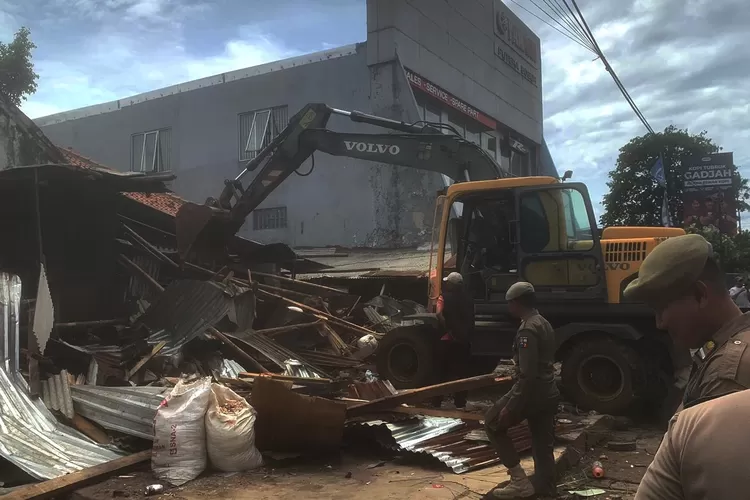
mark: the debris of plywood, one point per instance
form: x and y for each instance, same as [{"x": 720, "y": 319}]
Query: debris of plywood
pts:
[
  {"x": 288, "y": 421},
  {"x": 423, "y": 393},
  {"x": 158, "y": 347}
]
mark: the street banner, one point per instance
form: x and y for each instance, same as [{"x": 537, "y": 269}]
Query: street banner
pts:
[{"x": 709, "y": 198}]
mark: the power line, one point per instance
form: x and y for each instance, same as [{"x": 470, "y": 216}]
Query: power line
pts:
[
  {"x": 571, "y": 38},
  {"x": 562, "y": 26},
  {"x": 583, "y": 24}
]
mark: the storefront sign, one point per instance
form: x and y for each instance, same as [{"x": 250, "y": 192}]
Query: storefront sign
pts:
[
  {"x": 709, "y": 197},
  {"x": 515, "y": 44},
  {"x": 454, "y": 102}
]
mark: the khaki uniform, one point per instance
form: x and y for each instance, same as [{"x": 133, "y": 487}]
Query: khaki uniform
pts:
[
  {"x": 533, "y": 397},
  {"x": 703, "y": 455},
  {"x": 722, "y": 366}
]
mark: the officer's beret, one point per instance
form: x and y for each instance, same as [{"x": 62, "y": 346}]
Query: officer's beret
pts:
[
  {"x": 519, "y": 289},
  {"x": 674, "y": 264},
  {"x": 454, "y": 278}
]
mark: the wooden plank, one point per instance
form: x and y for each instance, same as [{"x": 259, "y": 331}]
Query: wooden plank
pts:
[
  {"x": 435, "y": 412},
  {"x": 321, "y": 289},
  {"x": 90, "y": 429},
  {"x": 151, "y": 249},
  {"x": 333, "y": 319},
  {"x": 76, "y": 480},
  {"x": 136, "y": 269},
  {"x": 158, "y": 347},
  {"x": 299, "y": 380},
  {"x": 416, "y": 395},
  {"x": 235, "y": 349}
]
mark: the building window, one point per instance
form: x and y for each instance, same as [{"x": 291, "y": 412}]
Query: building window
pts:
[
  {"x": 269, "y": 218},
  {"x": 259, "y": 128},
  {"x": 151, "y": 151}
]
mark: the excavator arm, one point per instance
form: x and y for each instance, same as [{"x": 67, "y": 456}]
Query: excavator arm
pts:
[{"x": 422, "y": 146}]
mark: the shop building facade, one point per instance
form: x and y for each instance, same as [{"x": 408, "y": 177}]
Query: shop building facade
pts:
[{"x": 470, "y": 64}]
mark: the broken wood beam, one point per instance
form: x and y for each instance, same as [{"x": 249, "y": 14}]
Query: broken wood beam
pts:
[
  {"x": 334, "y": 339},
  {"x": 333, "y": 319},
  {"x": 86, "y": 324},
  {"x": 276, "y": 376},
  {"x": 435, "y": 412},
  {"x": 158, "y": 347},
  {"x": 321, "y": 288},
  {"x": 270, "y": 332},
  {"x": 270, "y": 288},
  {"x": 411, "y": 396},
  {"x": 90, "y": 429},
  {"x": 133, "y": 267},
  {"x": 148, "y": 247},
  {"x": 62, "y": 485},
  {"x": 254, "y": 364}
]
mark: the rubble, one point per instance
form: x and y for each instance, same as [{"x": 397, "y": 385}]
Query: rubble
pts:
[{"x": 96, "y": 330}]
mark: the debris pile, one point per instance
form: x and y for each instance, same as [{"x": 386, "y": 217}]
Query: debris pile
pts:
[{"x": 95, "y": 337}]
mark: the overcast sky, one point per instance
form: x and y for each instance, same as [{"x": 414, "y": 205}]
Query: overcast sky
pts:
[{"x": 683, "y": 61}]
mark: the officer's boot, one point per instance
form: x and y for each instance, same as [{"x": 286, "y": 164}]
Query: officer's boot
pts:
[{"x": 519, "y": 486}]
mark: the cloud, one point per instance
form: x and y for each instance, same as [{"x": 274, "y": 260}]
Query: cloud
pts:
[
  {"x": 92, "y": 51},
  {"x": 683, "y": 62}
]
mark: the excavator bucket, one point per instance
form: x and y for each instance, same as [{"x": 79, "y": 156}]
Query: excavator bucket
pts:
[{"x": 199, "y": 226}]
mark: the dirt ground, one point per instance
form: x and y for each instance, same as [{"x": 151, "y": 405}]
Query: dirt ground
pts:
[{"x": 373, "y": 475}]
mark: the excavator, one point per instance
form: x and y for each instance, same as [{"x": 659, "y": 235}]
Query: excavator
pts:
[{"x": 495, "y": 229}]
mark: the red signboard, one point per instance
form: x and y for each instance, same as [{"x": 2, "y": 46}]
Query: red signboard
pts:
[{"x": 454, "y": 102}]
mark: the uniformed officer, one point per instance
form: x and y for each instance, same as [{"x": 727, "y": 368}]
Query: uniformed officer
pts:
[
  {"x": 456, "y": 314},
  {"x": 534, "y": 397},
  {"x": 703, "y": 455},
  {"x": 681, "y": 280}
]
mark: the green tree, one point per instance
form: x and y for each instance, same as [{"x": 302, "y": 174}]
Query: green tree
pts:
[
  {"x": 733, "y": 251},
  {"x": 634, "y": 199},
  {"x": 17, "y": 76}
]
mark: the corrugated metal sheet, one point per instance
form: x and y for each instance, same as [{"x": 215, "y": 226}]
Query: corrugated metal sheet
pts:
[
  {"x": 279, "y": 355},
  {"x": 186, "y": 309},
  {"x": 34, "y": 441},
  {"x": 10, "y": 302},
  {"x": 445, "y": 440},
  {"x": 129, "y": 410},
  {"x": 56, "y": 394},
  {"x": 137, "y": 286},
  {"x": 295, "y": 368},
  {"x": 225, "y": 368},
  {"x": 44, "y": 312},
  {"x": 367, "y": 263},
  {"x": 371, "y": 390}
]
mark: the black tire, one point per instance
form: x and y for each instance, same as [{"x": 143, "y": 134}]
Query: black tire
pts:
[
  {"x": 407, "y": 357},
  {"x": 600, "y": 374}
]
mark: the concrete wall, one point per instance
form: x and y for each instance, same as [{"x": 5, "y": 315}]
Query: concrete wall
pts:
[
  {"x": 477, "y": 50},
  {"x": 21, "y": 141},
  {"x": 343, "y": 202}
]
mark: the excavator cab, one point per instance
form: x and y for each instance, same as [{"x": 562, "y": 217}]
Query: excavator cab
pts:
[{"x": 502, "y": 231}]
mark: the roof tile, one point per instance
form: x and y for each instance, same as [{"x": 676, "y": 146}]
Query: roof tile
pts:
[{"x": 168, "y": 203}]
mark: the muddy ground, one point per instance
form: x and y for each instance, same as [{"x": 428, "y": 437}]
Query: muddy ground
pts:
[{"x": 377, "y": 475}]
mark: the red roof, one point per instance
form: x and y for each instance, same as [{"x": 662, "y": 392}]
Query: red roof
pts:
[
  {"x": 167, "y": 203},
  {"x": 79, "y": 160}
]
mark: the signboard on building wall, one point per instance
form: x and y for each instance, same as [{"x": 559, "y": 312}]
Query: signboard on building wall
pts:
[
  {"x": 516, "y": 45},
  {"x": 423, "y": 84},
  {"x": 709, "y": 197}
]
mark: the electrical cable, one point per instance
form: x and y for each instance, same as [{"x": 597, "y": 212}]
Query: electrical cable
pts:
[
  {"x": 571, "y": 38},
  {"x": 583, "y": 24},
  {"x": 312, "y": 167}
]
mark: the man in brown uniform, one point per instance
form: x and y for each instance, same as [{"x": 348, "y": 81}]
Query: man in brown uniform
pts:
[
  {"x": 703, "y": 455},
  {"x": 681, "y": 280},
  {"x": 533, "y": 397}
]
